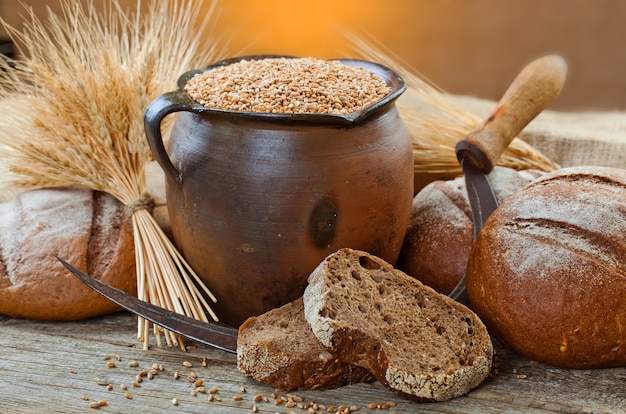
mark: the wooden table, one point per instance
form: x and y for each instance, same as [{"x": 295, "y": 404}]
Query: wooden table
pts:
[
  {"x": 51, "y": 366},
  {"x": 60, "y": 367}
]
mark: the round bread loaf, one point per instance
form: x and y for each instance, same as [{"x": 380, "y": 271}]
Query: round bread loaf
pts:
[
  {"x": 440, "y": 234},
  {"x": 86, "y": 228},
  {"x": 547, "y": 273}
]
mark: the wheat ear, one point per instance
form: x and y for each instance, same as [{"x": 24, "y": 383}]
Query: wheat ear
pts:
[{"x": 436, "y": 122}]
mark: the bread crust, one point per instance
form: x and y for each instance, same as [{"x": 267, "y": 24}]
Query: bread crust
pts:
[
  {"x": 416, "y": 342},
  {"x": 86, "y": 228},
  {"x": 548, "y": 272},
  {"x": 440, "y": 233},
  {"x": 279, "y": 349}
]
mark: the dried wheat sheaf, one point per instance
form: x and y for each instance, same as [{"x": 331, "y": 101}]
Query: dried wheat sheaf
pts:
[
  {"x": 436, "y": 122},
  {"x": 73, "y": 116}
]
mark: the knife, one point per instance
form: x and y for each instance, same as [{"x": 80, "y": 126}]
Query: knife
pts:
[
  {"x": 216, "y": 335},
  {"x": 536, "y": 86}
]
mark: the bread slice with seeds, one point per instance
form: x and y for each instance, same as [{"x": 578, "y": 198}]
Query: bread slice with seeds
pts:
[
  {"x": 279, "y": 349},
  {"x": 417, "y": 342}
]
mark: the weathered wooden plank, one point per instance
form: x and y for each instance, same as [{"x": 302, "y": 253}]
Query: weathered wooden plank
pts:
[{"x": 50, "y": 366}]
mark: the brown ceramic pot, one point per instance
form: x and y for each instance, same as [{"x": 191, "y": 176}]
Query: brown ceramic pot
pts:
[{"x": 257, "y": 201}]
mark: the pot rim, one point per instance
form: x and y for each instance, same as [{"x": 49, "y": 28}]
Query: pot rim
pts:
[{"x": 393, "y": 80}]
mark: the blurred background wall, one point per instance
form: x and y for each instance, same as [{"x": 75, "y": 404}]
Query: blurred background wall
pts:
[{"x": 465, "y": 47}]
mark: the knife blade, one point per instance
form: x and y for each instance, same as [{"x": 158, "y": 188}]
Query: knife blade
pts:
[
  {"x": 483, "y": 202},
  {"x": 536, "y": 86},
  {"x": 213, "y": 334}
]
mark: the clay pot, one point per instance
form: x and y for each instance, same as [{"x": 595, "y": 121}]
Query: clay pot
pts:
[{"x": 257, "y": 201}]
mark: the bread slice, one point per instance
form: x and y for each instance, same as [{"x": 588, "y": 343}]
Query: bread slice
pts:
[
  {"x": 417, "y": 342},
  {"x": 279, "y": 349}
]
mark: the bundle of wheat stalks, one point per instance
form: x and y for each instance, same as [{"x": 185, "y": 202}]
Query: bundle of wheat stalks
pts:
[{"x": 74, "y": 117}]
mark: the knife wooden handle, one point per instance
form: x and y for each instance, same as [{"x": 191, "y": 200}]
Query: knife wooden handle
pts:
[{"x": 536, "y": 86}]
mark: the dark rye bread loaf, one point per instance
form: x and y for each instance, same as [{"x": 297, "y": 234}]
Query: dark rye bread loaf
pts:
[
  {"x": 440, "y": 233},
  {"x": 417, "y": 342},
  {"x": 279, "y": 349},
  {"x": 548, "y": 271}
]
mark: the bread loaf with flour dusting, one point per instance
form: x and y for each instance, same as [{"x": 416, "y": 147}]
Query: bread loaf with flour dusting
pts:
[
  {"x": 86, "y": 228},
  {"x": 547, "y": 273}
]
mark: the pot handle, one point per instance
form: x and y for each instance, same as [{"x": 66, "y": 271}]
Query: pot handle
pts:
[{"x": 158, "y": 109}]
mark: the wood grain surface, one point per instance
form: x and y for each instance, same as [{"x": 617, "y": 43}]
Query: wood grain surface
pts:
[{"x": 60, "y": 367}]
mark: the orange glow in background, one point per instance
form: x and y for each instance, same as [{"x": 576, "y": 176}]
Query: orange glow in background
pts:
[
  {"x": 466, "y": 47},
  {"x": 474, "y": 48},
  {"x": 303, "y": 28}
]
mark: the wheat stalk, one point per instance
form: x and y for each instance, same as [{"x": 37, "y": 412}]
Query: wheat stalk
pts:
[
  {"x": 76, "y": 119},
  {"x": 436, "y": 122}
]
